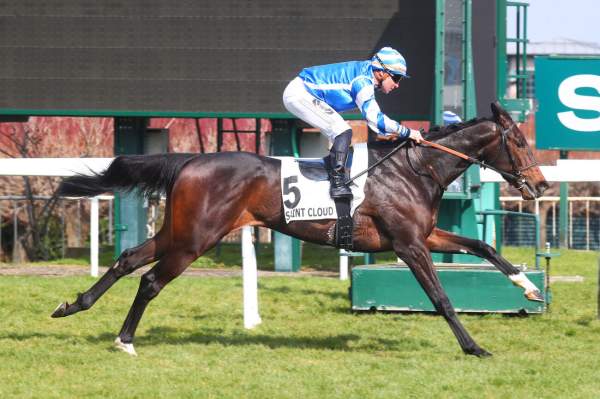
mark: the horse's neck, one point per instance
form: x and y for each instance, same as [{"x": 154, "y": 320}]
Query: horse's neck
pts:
[{"x": 470, "y": 141}]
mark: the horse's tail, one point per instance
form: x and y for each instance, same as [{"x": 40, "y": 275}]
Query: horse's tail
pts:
[{"x": 147, "y": 173}]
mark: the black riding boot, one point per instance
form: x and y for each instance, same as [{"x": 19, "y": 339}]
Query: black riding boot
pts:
[{"x": 337, "y": 157}]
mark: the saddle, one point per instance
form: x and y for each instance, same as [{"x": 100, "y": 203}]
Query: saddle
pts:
[{"x": 318, "y": 170}]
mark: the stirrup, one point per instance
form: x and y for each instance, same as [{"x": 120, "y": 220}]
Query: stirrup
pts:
[{"x": 338, "y": 189}]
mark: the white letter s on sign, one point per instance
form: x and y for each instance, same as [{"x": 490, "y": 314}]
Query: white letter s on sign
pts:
[{"x": 567, "y": 95}]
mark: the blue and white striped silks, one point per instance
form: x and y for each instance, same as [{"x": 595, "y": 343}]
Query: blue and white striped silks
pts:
[
  {"x": 349, "y": 85},
  {"x": 392, "y": 61}
]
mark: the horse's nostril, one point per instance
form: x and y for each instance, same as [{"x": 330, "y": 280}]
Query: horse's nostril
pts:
[{"x": 541, "y": 187}]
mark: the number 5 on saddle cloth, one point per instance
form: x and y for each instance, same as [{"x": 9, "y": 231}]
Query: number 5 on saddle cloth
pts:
[{"x": 305, "y": 192}]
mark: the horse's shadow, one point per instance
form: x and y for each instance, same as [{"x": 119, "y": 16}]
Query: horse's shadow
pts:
[
  {"x": 34, "y": 335},
  {"x": 207, "y": 336},
  {"x": 172, "y": 336},
  {"x": 339, "y": 342}
]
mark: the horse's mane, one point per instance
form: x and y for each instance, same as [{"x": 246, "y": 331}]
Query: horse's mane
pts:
[
  {"x": 438, "y": 132},
  {"x": 383, "y": 144}
]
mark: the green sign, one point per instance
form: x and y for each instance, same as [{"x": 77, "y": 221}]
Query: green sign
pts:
[{"x": 568, "y": 95}]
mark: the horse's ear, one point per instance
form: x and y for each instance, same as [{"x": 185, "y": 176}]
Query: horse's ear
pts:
[{"x": 500, "y": 114}]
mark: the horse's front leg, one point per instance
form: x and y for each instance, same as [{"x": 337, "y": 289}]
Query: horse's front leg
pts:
[
  {"x": 444, "y": 241},
  {"x": 418, "y": 258}
]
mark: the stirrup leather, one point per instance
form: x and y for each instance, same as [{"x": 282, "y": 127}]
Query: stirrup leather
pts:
[
  {"x": 343, "y": 232},
  {"x": 344, "y": 225}
]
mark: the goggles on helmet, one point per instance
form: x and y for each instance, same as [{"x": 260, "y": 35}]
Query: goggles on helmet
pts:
[{"x": 395, "y": 77}]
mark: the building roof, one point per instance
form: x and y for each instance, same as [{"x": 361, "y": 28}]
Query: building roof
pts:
[{"x": 562, "y": 46}]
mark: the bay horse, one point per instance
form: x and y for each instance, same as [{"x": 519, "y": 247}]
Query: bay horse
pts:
[{"x": 210, "y": 195}]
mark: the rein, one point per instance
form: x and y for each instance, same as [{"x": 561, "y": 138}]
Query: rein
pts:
[
  {"x": 469, "y": 158},
  {"x": 514, "y": 176}
]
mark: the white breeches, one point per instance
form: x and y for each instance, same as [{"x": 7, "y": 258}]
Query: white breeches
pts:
[{"x": 313, "y": 111}]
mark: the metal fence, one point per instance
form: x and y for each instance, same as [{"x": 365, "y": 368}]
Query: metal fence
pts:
[
  {"x": 76, "y": 212},
  {"x": 583, "y": 227},
  {"x": 14, "y": 219},
  {"x": 583, "y": 230}
]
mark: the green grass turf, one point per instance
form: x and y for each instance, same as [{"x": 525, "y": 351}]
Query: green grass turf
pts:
[{"x": 192, "y": 343}]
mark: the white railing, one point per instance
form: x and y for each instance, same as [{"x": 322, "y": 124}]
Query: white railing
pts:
[
  {"x": 566, "y": 170},
  {"x": 62, "y": 167}
]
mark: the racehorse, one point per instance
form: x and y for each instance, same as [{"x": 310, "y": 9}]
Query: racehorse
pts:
[{"x": 210, "y": 195}]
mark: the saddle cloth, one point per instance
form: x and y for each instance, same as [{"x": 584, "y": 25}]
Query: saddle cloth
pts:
[{"x": 308, "y": 199}]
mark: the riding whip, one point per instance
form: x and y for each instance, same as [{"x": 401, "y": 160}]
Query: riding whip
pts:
[{"x": 386, "y": 156}]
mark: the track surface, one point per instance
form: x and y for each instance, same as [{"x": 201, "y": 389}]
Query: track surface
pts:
[{"x": 62, "y": 270}]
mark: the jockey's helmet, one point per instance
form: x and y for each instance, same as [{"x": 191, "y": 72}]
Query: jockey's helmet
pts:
[{"x": 391, "y": 61}]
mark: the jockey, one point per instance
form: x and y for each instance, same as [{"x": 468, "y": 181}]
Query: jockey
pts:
[{"x": 319, "y": 93}]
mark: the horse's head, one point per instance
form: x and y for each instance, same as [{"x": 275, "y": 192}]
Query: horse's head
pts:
[{"x": 511, "y": 153}]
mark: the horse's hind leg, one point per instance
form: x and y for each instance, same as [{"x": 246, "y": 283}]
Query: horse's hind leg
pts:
[
  {"x": 130, "y": 260},
  {"x": 188, "y": 246},
  {"x": 152, "y": 282},
  {"x": 444, "y": 241}
]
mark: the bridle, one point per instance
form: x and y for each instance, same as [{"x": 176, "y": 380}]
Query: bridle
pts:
[{"x": 516, "y": 174}]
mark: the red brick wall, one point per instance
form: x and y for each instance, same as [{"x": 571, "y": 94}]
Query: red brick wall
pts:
[{"x": 547, "y": 157}]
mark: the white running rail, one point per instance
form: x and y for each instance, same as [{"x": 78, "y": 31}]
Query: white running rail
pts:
[{"x": 70, "y": 166}]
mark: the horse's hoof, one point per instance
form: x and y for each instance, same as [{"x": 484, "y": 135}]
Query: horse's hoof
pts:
[
  {"x": 535, "y": 295},
  {"x": 127, "y": 348},
  {"x": 479, "y": 352},
  {"x": 60, "y": 310},
  {"x": 483, "y": 353}
]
